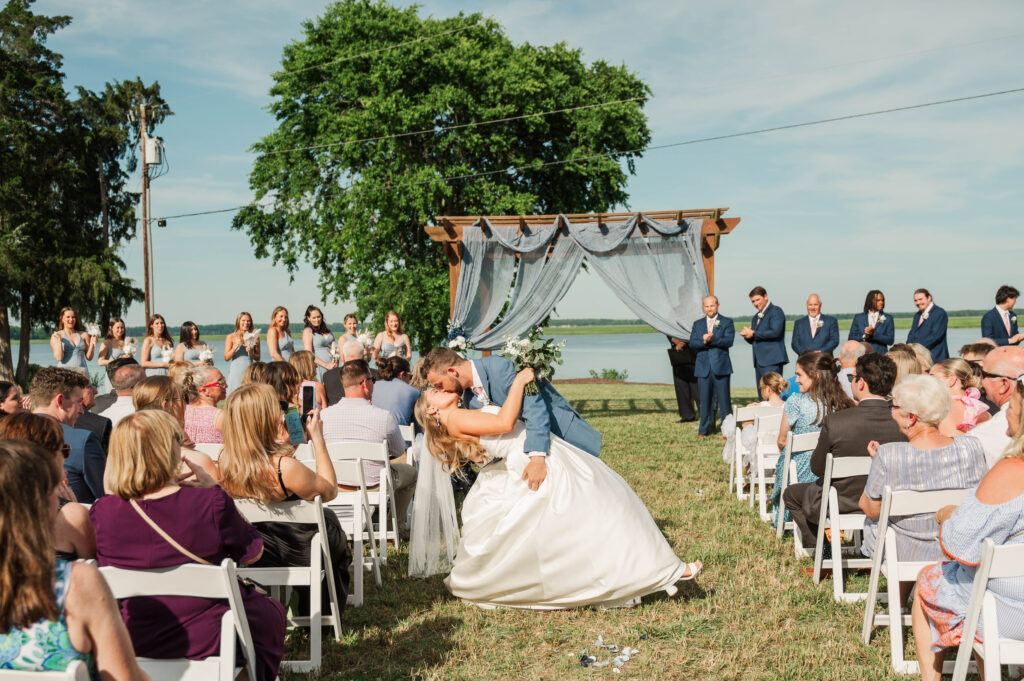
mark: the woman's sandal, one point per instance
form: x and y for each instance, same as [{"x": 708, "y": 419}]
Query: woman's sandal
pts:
[{"x": 694, "y": 570}]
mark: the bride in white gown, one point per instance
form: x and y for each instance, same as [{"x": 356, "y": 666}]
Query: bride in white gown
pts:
[{"x": 582, "y": 538}]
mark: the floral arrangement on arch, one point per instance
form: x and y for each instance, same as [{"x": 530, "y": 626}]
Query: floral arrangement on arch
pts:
[{"x": 457, "y": 341}]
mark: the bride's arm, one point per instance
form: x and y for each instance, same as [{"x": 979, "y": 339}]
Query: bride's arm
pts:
[{"x": 463, "y": 422}]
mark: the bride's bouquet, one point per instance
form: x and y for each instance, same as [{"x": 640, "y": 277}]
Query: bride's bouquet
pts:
[
  {"x": 457, "y": 340},
  {"x": 251, "y": 338},
  {"x": 206, "y": 354},
  {"x": 93, "y": 329},
  {"x": 536, "y": 352},
  {"x": 131, "y": 346}
]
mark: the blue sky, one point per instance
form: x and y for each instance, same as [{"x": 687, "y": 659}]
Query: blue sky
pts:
[{"x": 920, "y": 198}]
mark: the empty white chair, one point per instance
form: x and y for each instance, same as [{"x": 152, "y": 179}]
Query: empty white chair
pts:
[
  {"x": 764, "y": 459},
  {"x": 887, "y": 562},
  {"x": 799, "y": 443},
  {"x": 200, "y": 581},
  {"x": 830, "y": 518},
  {"x": 380, "y": 496},
  {"x": 76, "y": 671},
  {"x": 320, "y": 566},
  {"x": 408, "y": 433}
]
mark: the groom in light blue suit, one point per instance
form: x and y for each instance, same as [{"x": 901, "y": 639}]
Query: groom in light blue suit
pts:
[{"x": 487, "y": 381}]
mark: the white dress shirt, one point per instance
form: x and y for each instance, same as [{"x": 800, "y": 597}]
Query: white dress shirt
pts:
[
  {"x": 122, "y": 406},
  {"x": 993, "y": 437}
]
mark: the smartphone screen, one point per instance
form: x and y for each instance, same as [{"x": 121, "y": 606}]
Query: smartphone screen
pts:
[
  {"x": 308, "y": 395},
  {"x": 292, "y": 421}
]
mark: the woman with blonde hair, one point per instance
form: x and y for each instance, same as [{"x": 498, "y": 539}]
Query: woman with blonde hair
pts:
[
  {"x": 305, "y": 365},
  {"x": 53, "y": 612},
  {"x": 157, "y": 347},
  {"x": 203, "y": 419},
  {"x": 254, "y": 465},
  {"x": 163, "y": 394},
  {"x": 241, "y": 349},
  {"x": 71, "y": 345},
  {"x": 906, "y": 360},
  {"x": 967, "y": 409},
  {"x": 924, "y": 356},
  {"x": 392, "y": 341},
  {"x": 255, "y": 373},
  {"x": 145, "y": 494},
  {"x": 512, "y": 552},
  {"x": 279, "y": 336}
]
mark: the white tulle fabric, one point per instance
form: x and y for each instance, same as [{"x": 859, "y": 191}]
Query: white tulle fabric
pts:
[
  {"x": 434, "y": 533},
  {"x": 584, "y": 538}
]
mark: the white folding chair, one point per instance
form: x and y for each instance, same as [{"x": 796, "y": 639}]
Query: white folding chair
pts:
[
  {"x": 830, "y": 518},
  {"x": 997, "y": 562},
  {"x": 408, "y": 433},
  {"x": 748, "y": 413},
  {"x": 886, "y": 561},
  {"x": 76, "y": 671},
  {"x": 381, "y": 496},
  {"x": 199, "y": 581},
  {"x": 320, "y": 566},
  {"x": 799, "y": 443},
  {"x": 303, "y": 452},
  {"x": 765, "y": 457},
  {"x": 211, "y": 449}
]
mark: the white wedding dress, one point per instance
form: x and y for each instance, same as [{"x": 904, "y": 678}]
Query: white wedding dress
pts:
[{"x": 584, "y": 538}]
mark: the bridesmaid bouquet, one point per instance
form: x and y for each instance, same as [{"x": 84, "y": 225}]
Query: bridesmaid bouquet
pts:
[
  {"x": 457, "y": 340},
  {"x": 333, "y": 351},
  {"x": 534, "y": 351},
  {"x": 251, "y": 338},
  {"x": 131, "y": 346},
  {"x": 166, "y": 353},
  {"x": 206, "y": 354},
  {"x": 366, "y": 338},
  {"x": 93, "y": 329}
]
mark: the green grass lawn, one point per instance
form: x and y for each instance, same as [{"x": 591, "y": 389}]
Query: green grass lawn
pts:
[{"x": 751, "y": 614}]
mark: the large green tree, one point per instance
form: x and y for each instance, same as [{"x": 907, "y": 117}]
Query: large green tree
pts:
[
  {"x": 342, "y": 188},
  {"x": 64, "y": 204}
]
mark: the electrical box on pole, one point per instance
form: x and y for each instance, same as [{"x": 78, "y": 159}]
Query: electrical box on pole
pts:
[{"x": 154, "y": 149}]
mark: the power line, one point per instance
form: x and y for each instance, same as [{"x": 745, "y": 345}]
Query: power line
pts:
[
  {"x": 670, "y": 145},
  {"x": 458, "y": 126}
]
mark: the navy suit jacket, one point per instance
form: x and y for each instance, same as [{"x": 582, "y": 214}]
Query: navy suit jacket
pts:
[
  {"x": 931, "y": 333},
  {"x": 992, "y": 326},
  {"x": 769, "y": 339},
  {"x": 884, "y": 336},
  {"x": 544, "y": 413},
  {"x": 85, "y": 465},
  {"x": 713, "y": 358},
  {"x": 826, "y": 339}
]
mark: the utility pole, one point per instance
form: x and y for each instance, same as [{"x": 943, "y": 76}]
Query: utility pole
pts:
[{"x": 145, "y": 208}]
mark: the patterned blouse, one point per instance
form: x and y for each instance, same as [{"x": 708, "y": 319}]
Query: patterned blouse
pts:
[
  {"x": 45, "y": 646},
  {"x": 200, "y": 424},
  {"x": 801, "y": 413}
]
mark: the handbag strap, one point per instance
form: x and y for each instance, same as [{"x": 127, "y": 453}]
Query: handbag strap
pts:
[{"x": 170, "y": 540}]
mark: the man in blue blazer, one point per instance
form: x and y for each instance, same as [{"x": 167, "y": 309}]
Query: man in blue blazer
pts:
[
  {"x": 487, "y": 381},
  {"x": 711, "y": 336},
  {"x": 873, "y": 326},
  {"x": 816, "y": 331},
  {"x": 767, "y": 333},
  {"x": 929, "y": 325},
  {"x": 999, "y": 323}
]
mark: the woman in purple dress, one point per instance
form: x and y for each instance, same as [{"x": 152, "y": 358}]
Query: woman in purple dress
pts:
[{"x": 142, "y": 468}]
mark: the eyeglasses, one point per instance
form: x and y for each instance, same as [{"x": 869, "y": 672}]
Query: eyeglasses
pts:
[
  {"x": 65, "y": 450},
  {"x": 894, "y": 406},
  {"x": 985, "y": 374},
  {"x": 854, "y": 378},
  {"x": 222, "y": 383}
]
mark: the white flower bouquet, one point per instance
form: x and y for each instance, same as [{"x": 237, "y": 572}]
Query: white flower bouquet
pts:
[
  {"x": 534, "y": 351},
  {"x": 93, "y": 329},
  {"x": 166, "y": 353},
  {"x": 366, "y": 338},
  {"x": 131, "y": 346},
  {"x": 251, "y": 338},
  {"x": 206, "y": 354},
  {"x": 457, "y": 341},
  {"x": 333, "y": 351}
]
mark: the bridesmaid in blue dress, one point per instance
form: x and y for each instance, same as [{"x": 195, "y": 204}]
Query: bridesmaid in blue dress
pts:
[
  {"x": 279, "y": 336},
  {"x": 317, "y": 338},
  {"x": 71, "y": 345},
  {"x": 239, "y": 351},
  {"x": 392, "y": 341},
  {"x": 190, "y": 346},
  {"x": 111, "y": 348},
  {"x": 351, "y": 325},
  {"x": 158, "y": 338}
]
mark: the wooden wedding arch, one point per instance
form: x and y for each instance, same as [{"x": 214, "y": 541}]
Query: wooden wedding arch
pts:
[{"x": 449, "y": 229}]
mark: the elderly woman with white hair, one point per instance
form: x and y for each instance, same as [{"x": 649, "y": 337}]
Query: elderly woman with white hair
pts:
[{"x": 929, "y": 460}]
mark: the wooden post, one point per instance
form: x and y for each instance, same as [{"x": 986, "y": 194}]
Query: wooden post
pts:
[{"x": 453, "y": 251}]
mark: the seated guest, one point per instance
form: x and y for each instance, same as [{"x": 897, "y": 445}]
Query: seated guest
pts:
[
  {"x": 253, "y": 465},
  {"x": 847, "y": 432},
  {"x": 10, "y": 398},
  {"x": 354, "y": 418},
  {"x": 996, "y": 512},
  {"x": 176, "y": 370},
  {"x": 203, "y": 420},
  {"x": 284, "y": 379},
  {"x": 816, "y": 331},
  {"x": 1000, "y": 323},
  {"x": 163, "y": 394},
  {"x": 924, "y": 356},
  {"x": 304, "y": 364},
  {"x": 418, "y": 379},
  {"x": 1000, "y": 371},
  {"x": 967, "y": 409},
  {"x": 873, "y": 326},
  {"x": 73, "y": 534},
  {"x": 104, "y": 400},
  {"x": 57, "y": 392},
  {"x": 391, "y": 390},
  {"x": 849, "y": 353},
  {"x": 142, "y": 472},
  {"x": 906, "y": 360},
  {"x": 92, "y": 421},
  {"x": 124, "y": 381},
  {"x": 52, "y": 612},
  {"x": 350, "y": 352},
  {"x": 254, "y": 373},
  {"x": 820, "y": 395},
  {"x": 771, "y": 387},
  {"x": 928, "y": 460}
]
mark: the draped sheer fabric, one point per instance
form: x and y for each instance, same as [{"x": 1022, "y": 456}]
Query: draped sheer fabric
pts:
[{"x": 434, "y": 531}]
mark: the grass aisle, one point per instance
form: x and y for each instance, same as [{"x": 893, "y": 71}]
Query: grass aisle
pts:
[{"x": 751, "y": 614}]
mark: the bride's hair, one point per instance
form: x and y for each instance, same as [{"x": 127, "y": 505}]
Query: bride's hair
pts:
[{"x": 442, "y": 445}]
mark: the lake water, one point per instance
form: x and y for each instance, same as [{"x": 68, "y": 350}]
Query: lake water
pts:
[{"x": 642, "y": 354}]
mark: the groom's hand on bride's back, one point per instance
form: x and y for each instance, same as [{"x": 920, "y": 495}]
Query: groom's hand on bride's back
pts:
[{"x": 535, "y": 472}]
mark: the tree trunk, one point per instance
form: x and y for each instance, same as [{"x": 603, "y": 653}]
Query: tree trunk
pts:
[
  {"x": 6, "y": 366},
  {"x": 25, "y": 338}
]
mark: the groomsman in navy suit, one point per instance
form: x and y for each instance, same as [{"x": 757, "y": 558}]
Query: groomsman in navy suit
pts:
[
  {"x": 929, "y": 325},
  {"x": 999, "y": 323},
  {"x": 816, "y": 331},
  {"x": 711, "y": 337},
  {"x": 767, "y": 333},
  {"x": 873, "y": 326}
]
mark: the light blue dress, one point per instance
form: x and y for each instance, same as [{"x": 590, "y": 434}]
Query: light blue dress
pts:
[
  {"x": 113, "y": 354},
  {"x": 74, "y": 355},
  {"x": 285, "y": 346},
  {"x": 322, "y": 349},
  {"x": 156, "y": 354},
  {"x": 239, "y": 362},
  {"x": 801, "y": 412},
  {"x": 387, "y": 349},
  {"x": 192, "y": 354}
]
